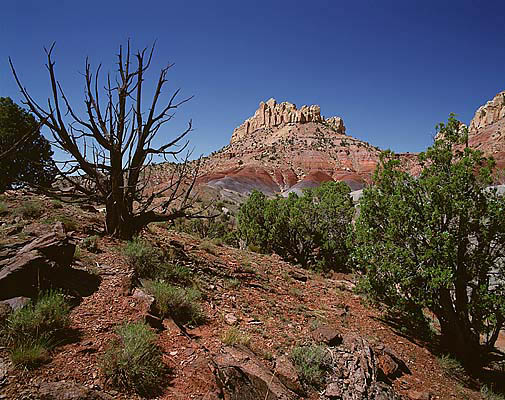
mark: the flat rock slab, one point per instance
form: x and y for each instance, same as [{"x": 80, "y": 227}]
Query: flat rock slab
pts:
[{"x": 243, "y": 377}]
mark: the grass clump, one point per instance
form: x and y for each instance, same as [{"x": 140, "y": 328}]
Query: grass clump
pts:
[
  {"x": 233, "y": 337},
  {"x": 451, "y": 366},
  {"x": 30, "y": 354},
  {"x": 134, "y": 362},
  {"x": 176, "y": 273},
  {"x": 488, "y": 394},
  {"x": 30, "y": 209},
  {"x": 143, "y": 258},
  {"x": 33, "y": 330},
  {"x": 182, "y": 304},
  {"x": 311, "y": 362}
]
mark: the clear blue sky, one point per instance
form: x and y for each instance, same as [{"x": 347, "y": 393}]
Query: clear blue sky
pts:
[{"x": 391, "y": 69}]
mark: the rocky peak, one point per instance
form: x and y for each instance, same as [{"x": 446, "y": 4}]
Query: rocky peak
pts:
[
  {"x": 275, "y": 115},
  {"x": 489, "y": 113}
]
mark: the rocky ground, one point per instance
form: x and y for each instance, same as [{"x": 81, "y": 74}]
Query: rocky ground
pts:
[{"x": 273, "y": 305}]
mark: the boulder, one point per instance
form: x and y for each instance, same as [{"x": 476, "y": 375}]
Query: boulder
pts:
[
  {"x": 288, "y": 375},
  {"x": 327, "y": 334},
  {"x": 242, "y": 376},
  {"x": 34, "y": 265}
]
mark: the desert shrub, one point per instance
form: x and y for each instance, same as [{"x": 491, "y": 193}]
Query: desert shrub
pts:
[
  {"x": 30, "y": 354},
  {"x": 437, "y": 242},
  {"x": 134, "y": 362},
  {"x": 91, "y": 243},
  {"x": 30, "y": 209},
  {"x": 176, "y": 273},
  {"x": 32, "y": 330},
  {"x": 311, "y": 362},
  {"x": 182, "y": 304},
  {"x": 143, "y": 258},
  {"x": 48, "y": 316},
  {"x": 233, "y": 337},
  {"x": 313, "y": 230}
]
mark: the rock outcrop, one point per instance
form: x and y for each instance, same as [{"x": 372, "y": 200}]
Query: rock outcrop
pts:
[
  {"x": 271, "y": 115},
  {"x": 487, "y": 130},
  {"x": 489, "y": 113}
]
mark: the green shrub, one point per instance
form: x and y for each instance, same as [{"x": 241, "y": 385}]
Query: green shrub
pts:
[
  {"x": 182, "y": 304},
  {"x": 311, "y": 362},
  {"x": 30, "y": 209},
  {"x": 32, "y": 330},
  {"x": 30, "y": 354},
  {"x": 44, "y": 319},
  {"x": 176, "y": 273},
  {"x": 314, "y": 230},
  {"x": 134, "y": 362},
  {"x": 233, "y": 337},
  {"x": 434, "y": 242},
  {"x": 144, "y": 259}
]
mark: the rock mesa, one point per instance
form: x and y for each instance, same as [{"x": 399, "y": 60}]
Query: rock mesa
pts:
[{"x": 273, "y": 115}]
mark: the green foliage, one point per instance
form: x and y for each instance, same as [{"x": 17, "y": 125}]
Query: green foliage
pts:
[
  {"x": 32, "y": 330},
  {"x": 436, "y": 241},
  {"x": 143, "y": 258},
  {"x": 30, "y": 354},
  {"x": 26, "y": 153},
  {"x": 313, "y": 229},
  {"x": 311, "y": 362},
  {"x": 134, "y": 361},
  {"x": 30, "y": 209},
  {"x": 48, "y": 316},
  {"x": 182, "y": 304},
  {"x": 221, "y": 227}
]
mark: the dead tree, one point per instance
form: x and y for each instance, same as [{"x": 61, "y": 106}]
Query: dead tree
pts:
[{"x": 111, "y": 149}]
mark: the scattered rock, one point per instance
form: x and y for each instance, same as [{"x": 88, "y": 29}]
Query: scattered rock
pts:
[
  {"x": 288, "y": 375},
  {"x": 345, "y": 285},
  {"x": 415, "y": 395},
  {"x": 68, "y": 391},
  {"x": 243, "y": 377},
  {"x": 15, "y": 303},
  {"x": 298, "y": 276},
  {"x": 354, "y": 374},
  {"x": 328, "y": 335},
  {"x": 230, "y": 319},
  {"x": 390, "y": 365}
]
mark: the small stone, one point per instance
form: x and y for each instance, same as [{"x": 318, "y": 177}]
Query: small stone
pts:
[
  {"x": 327, "y": 334},
  {"x": 230, "y": 319}
]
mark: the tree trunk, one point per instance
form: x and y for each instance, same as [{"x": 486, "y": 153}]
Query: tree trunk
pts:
[{"x": 457, "y": 336}]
